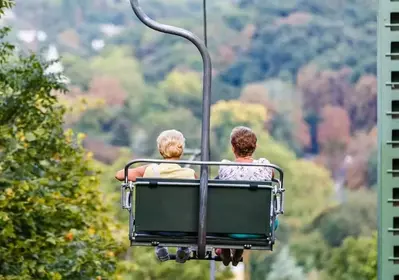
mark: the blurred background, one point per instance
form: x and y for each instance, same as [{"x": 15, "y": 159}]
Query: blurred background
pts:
[{"x": 301, "y": 73}]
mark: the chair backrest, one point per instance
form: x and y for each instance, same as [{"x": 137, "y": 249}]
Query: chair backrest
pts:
[{"x": 172, "y": 205}]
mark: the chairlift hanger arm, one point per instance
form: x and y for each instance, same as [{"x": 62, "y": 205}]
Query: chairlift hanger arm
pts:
[
  {"x": 207, "y": 68},
  {"x": 206, "y": 108}
]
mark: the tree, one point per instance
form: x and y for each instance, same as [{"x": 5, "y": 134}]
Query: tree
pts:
[
  {"x": 362, "y": 106},
  {"x": 183, "y": 90},
  {"x": 355, "y": 259},
  {"x": 320, "y": 88},
  {"x": 77, "y": 103},
  {"x": 117, "y": 63},
  {"x": 356, "y": 217},
  {"x": 53, "y": 222},
  {"x": 78, "y": 70},
  {"x": 302, "y": 178},
  {"x": 311, "y": 251},
  {"x": 279, "y": 47},
  {"x": 333, "y": 134},
  {"x": 154, "y": 123},
  {"x": 102, "y": 152},
  {"x": 109, "y": 89},
  {"x": 285, "y": 268},
  {"x": 362, "y": 150},
  {"x": 285, "y": 122},
  {"x": 225, "y": 115},
  {"x": 256, "y": 93}
]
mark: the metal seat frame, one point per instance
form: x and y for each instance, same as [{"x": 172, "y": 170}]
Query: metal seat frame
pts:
[{"x": 137, "y": 238}]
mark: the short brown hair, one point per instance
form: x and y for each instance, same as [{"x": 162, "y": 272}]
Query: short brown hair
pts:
[{"x": 243, "y": 140}]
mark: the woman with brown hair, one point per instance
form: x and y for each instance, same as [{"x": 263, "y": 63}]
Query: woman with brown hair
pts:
[{"x": 243, "y": 142}]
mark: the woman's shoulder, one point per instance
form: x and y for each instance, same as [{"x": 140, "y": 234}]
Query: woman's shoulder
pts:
[
  {"x": 225, "y": 166},
  {"x": 262, "y": 160},
  {"x": 188, "y": 170},
  {"x": 150, "y": 169},
  {"x": 224, "y": 161}
]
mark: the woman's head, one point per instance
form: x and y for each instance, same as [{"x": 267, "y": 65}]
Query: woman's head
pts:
[
  {"x": 243, "y": 141},
  {"x": 171, "y": 144}
]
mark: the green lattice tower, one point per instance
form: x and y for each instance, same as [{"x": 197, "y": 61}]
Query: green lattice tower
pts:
[{"x": 388, "y": 139}]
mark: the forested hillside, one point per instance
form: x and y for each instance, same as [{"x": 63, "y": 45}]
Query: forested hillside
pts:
[{"x": 300, "y": 73}]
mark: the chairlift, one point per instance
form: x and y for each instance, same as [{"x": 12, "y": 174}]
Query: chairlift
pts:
[{"x": 198, "y": 213}]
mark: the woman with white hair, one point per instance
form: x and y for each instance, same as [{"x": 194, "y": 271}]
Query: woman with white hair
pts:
[{"x": 171, "y": 147}]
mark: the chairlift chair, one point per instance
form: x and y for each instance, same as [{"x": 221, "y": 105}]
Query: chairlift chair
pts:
[{"x": 202, "y": 213}]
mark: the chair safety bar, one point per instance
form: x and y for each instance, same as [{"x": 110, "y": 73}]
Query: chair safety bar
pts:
[
  {"x": 205, "y": 163},
  {"x": 279, "y": 193},
  {"x": 126, "y": 191},
  {"x": 127, "y": 186}
]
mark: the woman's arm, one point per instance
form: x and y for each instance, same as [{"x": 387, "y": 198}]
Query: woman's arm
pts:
[{"x": 132, "y": 173}]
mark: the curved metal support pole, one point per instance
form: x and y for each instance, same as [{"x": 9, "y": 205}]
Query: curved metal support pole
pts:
[
  {"x": 194, "y": 155},
  {"x": 206, "y": 104}
]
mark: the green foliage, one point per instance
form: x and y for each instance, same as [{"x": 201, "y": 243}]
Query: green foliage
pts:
[
  {"x": 77, "y": 70},
  {"x": 310, "y": 251},
  {"x": 181, "y": 119},
  {"x": 285, "y": 268},
  {"x": 355, "y": 259},
  {"x": 356, "y": 217},
  {"x": 291, "y": 34},
  {"x": 225, "y": 115},
  {"x": 330, "y": 231},
  {"x": 302, "y": 178},
  {"x": 6, "y": 4},
  {"x": 52, "y": 220},
  {"x": 284, "y": 123},
  {"x": 97, "y": 121},
  {"x": 282, "y": 128},
  {"x": 116, "y": 62},
  {"x": 183, "y": 90},
  {"x": 265, "y": 42},
  {"x": 260, "y": 264}
]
